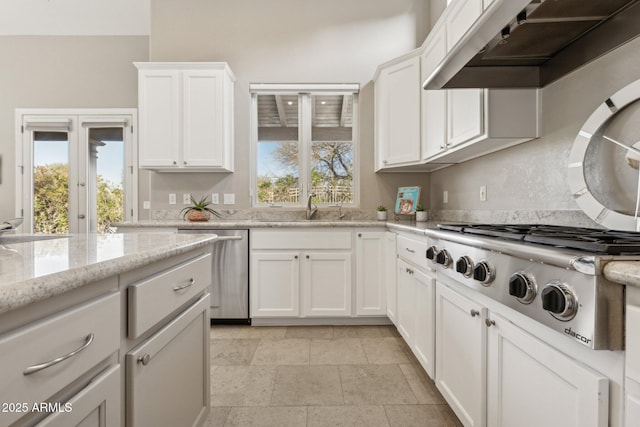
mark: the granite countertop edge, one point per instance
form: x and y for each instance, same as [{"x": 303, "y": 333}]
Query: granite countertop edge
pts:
[
  {"x": 623, "y": 272},
  {"x": 32, "y": 290},
  {"x": 249, "y": 223}
]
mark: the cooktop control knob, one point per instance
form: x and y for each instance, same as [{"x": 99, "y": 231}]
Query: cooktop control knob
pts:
[
  {"x": 522, "y": 286},
  {"x": 443, "y": 258},
  {"x": 483, "y": 273},
  {"x": 431, "y": 253},
  {"x": 559, "y": 300},
  {"x": 464, "y": 266}
]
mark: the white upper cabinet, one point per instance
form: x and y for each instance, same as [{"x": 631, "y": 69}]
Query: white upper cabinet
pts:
[
  {"x": 460, "y": 17},
  {"x": 186, "y": 116},
  {"x": 397, "y": 107},
  {"x": 465, "y": 115}
]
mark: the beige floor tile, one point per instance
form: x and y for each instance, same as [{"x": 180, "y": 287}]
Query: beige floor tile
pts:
[
  {"x": 421, "y": 385},
  {"x": 309, "y": 332},
  {"x": 294, "y": 351},
  {"x": 227, "y": 331},
  {"x": 267, "y": 417},
  {"x": 237, "y": 351},
  {"x": 375, "y": 385},
  {"x": 388, "y": 331},
  {"x": 218, "y": 416},
  {"x": 421, "y": 416},
  {"x": 242, "y": 385},
  {"x": 307, "y": 385},
  {"x": 271, "y": 332},
  {"x": 386, "y": 350},
  {"x": 343, "y": 351},
  {"x": 346, "y": 416},
  {"x": 356, "y": 332}
]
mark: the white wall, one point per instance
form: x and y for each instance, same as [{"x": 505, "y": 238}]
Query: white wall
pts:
[{"x": 286, "y": 41}]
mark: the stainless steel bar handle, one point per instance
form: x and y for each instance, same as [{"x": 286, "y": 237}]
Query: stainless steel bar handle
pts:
[
  {"x": 191, "y": 282},
  {"x": 229, "y": 238},
  {"x": 35, "y": 368},
  {"x": 410, "y": 250}
]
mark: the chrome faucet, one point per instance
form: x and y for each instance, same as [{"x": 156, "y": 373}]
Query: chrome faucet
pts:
[{"x": 311, "y": 211}]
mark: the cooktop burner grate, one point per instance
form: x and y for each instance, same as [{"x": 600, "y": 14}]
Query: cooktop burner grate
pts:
[{"x": 610, "y": 242}]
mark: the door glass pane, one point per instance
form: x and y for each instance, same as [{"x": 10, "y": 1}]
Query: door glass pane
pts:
[
  {"x": 332, "y": 149},
  {"x": 106, "y": 169},
  {"x": 50, "y": 182},
  {"x": 278, "y": 164}
]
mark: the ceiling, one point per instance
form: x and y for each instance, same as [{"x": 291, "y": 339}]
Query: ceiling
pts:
[{"x": 327, "y": 110}]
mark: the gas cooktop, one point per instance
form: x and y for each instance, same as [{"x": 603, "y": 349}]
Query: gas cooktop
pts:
[{"x": 598, "y": 241}]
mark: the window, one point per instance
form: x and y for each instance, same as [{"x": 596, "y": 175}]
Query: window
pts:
[
  {"x": 77, "y": 171},
  {"x": 304, "y": 140}
]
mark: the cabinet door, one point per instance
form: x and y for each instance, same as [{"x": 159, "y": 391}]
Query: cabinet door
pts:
[
  {"x": 159, "y": 110},
  {"x": 370, "y": 273},
  {"x": 326, "y": 284},
  {"x": 465, "y": 109},
  {"x": 167, "y": 376},
  {"x": 424, "y": 329},
  {"x": 632, "y": 410},
  {"x": 406, "y": 301},
  {"x": 434, "y": 119},
  {"x": 460, "y": 18},
  {"x": 275, "y": 282},
  {"x": 460, "y": 355},
  {"x": 398, "y": 100},
  {"x": 96, "y": 405},
  {"x": 203, "y": 128},
  {"x": 391, "y": 275},
  {"x": 530, "y": 384}
]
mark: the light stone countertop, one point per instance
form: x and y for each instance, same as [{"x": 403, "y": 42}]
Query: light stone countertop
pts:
[
  {"x": 623, "y": 272},
  {"x": 34, "y": 271},
  {"x": 250, "y": 223}
]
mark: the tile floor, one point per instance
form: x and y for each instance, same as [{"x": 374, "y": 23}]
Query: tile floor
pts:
[{"x": 320, "y": 376}]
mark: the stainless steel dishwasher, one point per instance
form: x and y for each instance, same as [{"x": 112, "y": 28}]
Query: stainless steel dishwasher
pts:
[{"x": 230, "y": 278}]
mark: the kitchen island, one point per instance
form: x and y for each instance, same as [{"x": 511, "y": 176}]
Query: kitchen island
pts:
[{"x": 100, "y": 329}]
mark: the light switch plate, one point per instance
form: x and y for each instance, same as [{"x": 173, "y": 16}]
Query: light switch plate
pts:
[
  {"x": 215, "y": 198},
  {"x": 445, "y": 196},
  {"x": 229, "y": 198},
  {"x": 186, "y": 198},
  {"x": 172, "y": 198},
  {"x": 483, "y": 193},
  {"x": 146, "y": 204}
]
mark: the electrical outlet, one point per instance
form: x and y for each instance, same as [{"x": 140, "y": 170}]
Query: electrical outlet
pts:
[
  {"x": 445, "y": 196},
  {"x": 215, "y": 198},
  {"x": 146, "y": 204},
  {"x": 483, "y": 193},
  {"x": 172, "y": 198},
  {"x": 229, "y": 198},
  {"x": 186, "y": 198}
]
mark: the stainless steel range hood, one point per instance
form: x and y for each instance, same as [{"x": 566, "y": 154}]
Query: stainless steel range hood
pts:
[{"x": 544, "y": 42}]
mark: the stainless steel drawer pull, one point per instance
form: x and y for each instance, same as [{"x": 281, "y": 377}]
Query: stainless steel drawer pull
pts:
[
  {"x": 144, "y": 359},
  {"x": 474, "y": 313},
  {"x": 410, "y": 250},
  {"x": 35, "y": 368},
  {"x": 186, "y": 285}
]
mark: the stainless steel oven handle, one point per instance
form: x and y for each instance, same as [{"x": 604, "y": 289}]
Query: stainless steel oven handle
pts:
[{"x": 36, "y": 368}]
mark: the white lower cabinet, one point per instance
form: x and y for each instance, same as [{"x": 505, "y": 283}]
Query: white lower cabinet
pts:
[
  {"x": 275, "y": 284},
  {"x": 406, "y": 301},
  {"x": 96, "y": 405},
  {"x": 391, "y": 276},
  {"x": 632, "y": 357},
  {"x": 460, "y": 355},
  {"x": 326, "y": 284},
  {"x": 531, "y": 384},
  {"x": 169, "y": 372},
  {"x": 371, "y": 293},
  {"x": 491, "y": 372}
]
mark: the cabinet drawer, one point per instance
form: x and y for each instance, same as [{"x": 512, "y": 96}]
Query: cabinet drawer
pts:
[
  {"x": 413, "y": 250},
  {"x": 156, "y": 297},
  {"x": 87, "y": 335},
  {"x": 321, "y": 239}
]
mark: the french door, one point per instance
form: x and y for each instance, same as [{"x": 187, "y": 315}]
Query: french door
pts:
[{"x": 77, "y": 169}]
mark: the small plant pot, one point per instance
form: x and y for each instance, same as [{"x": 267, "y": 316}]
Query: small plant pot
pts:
[
  {"x": 198, "y": 216},
  {"x": 382, "y": 215},
  {"x": 421, "y": 216}
]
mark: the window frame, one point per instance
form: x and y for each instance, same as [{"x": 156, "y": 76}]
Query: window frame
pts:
[{"x": 305, "y": 93}]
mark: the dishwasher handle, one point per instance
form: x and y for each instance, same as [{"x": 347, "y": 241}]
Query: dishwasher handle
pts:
[{"x": 229, "y": 238}]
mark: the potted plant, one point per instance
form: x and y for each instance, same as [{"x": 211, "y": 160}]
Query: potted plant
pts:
[
  {"x": 382, "y": 213},
  {"x": 199, "y": 210},
  {"x": 421, "y": 214}
]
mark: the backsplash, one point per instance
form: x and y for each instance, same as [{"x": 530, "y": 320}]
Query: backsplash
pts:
[
  {"x": 575, "y": 218},
  {"x": 277, "y": 214}
]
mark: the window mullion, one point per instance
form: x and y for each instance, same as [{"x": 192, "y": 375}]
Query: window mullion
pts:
[{"x": 305, "y": 123}]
